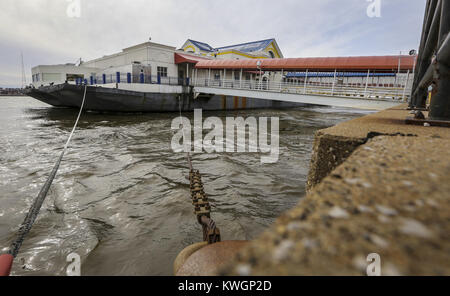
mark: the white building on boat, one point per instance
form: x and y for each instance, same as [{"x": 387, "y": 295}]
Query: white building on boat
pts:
[
  {"x": 151, "y": 59},
  {"x": 198, "y": 63}
]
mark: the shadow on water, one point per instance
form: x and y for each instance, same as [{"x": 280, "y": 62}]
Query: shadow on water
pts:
[{"x": 65, "y": 117}]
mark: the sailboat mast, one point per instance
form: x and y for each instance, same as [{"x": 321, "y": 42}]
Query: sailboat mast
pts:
[{"x": 24, "y": 78}]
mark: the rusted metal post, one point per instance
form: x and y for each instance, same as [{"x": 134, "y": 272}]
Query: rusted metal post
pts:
[
  {"x": 429, "y": 12},
  {"x": 433, "y": 65},
  {"x": 440, "y": 102},
  {"x": 430, "y": 36}
]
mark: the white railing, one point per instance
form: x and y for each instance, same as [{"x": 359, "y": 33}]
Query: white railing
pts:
[{"x": 401, "y": 91}]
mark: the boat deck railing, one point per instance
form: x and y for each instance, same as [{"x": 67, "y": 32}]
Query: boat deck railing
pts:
[
  {"x": 129, "y": 78},
  {"x": 398, "y": 92}
]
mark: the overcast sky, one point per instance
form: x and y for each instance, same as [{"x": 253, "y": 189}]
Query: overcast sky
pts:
[{"x": 44, "y": 32}]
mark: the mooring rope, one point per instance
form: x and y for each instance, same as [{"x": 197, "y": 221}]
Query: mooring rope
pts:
[{"x": 37, "y": 203}]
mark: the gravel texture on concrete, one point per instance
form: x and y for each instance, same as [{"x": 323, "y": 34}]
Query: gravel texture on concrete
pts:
[{"x": 333, "y": 145}]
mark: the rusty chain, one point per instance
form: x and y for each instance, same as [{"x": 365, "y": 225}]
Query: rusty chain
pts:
[{"x": 202, "y": 208}]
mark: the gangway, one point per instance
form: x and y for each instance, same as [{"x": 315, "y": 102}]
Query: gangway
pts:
[{"x": 349, "y": 96}]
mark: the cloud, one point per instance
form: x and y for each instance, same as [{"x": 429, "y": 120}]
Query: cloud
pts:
[{"x": 46, "y": 35}]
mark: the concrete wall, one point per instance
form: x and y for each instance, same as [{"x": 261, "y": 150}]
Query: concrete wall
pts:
[
  {"x": 114, "y": 70},
  {"x": 147, "y": 54},
  {"x": 153, "y": 88}
]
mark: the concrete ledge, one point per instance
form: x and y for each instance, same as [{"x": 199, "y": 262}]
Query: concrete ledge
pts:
[
  {"x": 333, "y": 145},
  {"x": 390, "y": 196}
]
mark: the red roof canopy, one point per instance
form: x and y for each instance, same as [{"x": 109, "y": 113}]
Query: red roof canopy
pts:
[
  {"x": 385, "y": 63},
  {"x": 187, "y": 58}
]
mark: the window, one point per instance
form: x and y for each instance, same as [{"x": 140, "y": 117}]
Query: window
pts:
[
  {"x": 272, "y": 55},
  {"x": 74, "y": 77},
  {"x": 162, "y": 71},
  {"x": 51, "y": 77}
]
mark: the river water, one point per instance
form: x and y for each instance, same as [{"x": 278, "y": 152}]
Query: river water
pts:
[{"x": 121, "y": 197}]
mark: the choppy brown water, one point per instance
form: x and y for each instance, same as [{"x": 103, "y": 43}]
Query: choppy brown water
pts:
[{"x": 121, "y": 198}]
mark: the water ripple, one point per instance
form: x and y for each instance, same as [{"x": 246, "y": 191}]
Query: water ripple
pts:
[{"x": 121, "y": 197}]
